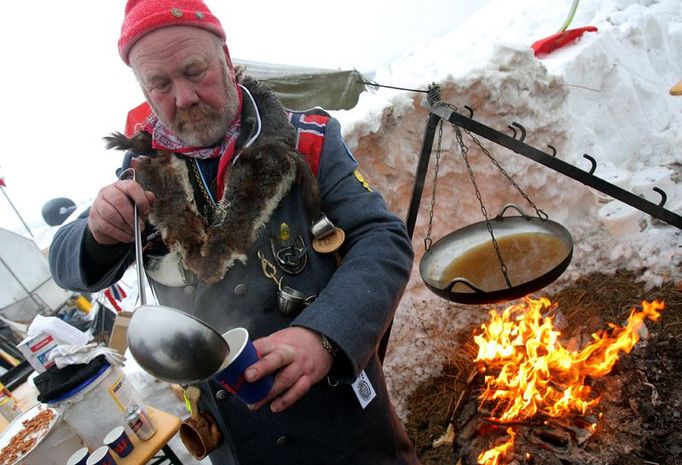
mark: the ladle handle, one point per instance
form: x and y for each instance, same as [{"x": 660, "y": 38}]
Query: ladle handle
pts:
[
  {"x": 130, "y": 174},
  {"x": 138, "y": 258}
]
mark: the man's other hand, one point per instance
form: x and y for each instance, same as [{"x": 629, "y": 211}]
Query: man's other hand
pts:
[{"x": 297, "y": 358}]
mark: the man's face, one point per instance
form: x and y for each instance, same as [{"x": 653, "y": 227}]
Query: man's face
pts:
[{"x": 185, "y": 78}]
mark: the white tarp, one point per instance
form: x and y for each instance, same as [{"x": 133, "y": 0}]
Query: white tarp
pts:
[{"x": 26, "y": 287}]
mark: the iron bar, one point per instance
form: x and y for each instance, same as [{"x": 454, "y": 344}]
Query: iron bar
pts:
[
  {"x": 420, "y": 177},
  {"x": 422, "y": 167},
  {"x": 554, "y": 163}
]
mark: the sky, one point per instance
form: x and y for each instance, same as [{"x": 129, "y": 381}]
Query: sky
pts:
[{"x": 64, "y": 86}]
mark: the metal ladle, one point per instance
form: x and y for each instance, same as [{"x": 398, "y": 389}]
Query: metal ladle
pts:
[{"x": 167, "y": 343}]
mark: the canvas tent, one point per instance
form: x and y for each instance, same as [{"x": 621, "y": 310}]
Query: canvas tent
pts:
[
  {"x": 300, "y": 88},
  {"x": 26, "y": 286}
]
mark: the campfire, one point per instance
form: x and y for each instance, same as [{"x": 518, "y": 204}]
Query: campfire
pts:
[
  {"x": 584, "y": 380},
  {"x": 539, "y": 389}
]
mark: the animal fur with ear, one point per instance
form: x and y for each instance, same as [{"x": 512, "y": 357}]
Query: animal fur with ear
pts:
[{"x": 256, "y": 182}]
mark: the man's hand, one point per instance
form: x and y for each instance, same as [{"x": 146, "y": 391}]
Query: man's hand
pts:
[
  {"x": 111, "y": 218},
  {"x": 297, "y": 357}
]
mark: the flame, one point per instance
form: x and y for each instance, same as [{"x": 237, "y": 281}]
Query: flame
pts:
[
  {"x": 537, "y": 374},
  {"x": 494, "y": 455}
]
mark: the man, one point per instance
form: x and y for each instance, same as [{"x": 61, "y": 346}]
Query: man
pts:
[{"x": 229, "y": 204}]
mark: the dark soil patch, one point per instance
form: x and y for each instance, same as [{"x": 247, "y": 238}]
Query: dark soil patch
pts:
[{"x": 642, "y": 397}]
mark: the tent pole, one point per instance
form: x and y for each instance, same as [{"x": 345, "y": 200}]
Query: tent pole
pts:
[{"x": 16, "y": 211}]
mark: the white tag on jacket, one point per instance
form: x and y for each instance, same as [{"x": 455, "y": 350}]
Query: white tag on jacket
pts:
[{"x": 363, "y": 389}]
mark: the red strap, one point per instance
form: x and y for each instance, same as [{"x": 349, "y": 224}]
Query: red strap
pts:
[
  {"x": 310, "y": 131},
  {"x": 310, "y": 146},
  {"x": 136, "y": 119}
]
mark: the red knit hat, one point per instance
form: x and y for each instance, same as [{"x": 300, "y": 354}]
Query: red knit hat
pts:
[{"x": 145, "y": 16}]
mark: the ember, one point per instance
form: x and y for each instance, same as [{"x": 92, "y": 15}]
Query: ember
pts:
[{"x": 537, "y": 377}]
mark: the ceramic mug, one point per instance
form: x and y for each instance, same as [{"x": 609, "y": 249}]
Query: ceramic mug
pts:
[{"x": 199, "y": 433}]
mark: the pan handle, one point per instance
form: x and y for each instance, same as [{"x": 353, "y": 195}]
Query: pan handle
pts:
[
  {"x": 508, "y": 206},
  {"x": 465, "y": 281}
]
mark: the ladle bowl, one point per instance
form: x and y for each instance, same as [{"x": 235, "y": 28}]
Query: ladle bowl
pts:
[{"x": 174, "y": 346}]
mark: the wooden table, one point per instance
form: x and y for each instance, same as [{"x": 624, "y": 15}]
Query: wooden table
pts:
[
  {"x": 144, "y": 451},
  {"x": 154, "y": 450}
]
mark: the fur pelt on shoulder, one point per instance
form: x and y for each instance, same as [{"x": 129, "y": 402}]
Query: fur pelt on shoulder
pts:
[{"x": 259, "y": 178}]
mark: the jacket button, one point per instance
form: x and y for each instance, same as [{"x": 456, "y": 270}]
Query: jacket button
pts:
[
  {"x": 240, "y": 289},
  {"x": 221, "y": 395},
  {"x": 282, "y": 441}
]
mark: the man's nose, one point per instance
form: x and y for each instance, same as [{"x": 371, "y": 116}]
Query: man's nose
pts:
[{"x": 185, "y": 95}]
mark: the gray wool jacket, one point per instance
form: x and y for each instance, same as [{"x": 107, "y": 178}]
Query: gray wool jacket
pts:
[{"x": 353, "y": 296}]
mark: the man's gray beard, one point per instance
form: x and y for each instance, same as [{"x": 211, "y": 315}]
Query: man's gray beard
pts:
[{"x": 201, "y": 125}]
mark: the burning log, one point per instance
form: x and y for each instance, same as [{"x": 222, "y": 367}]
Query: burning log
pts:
[{"x": 536, "y": 391}]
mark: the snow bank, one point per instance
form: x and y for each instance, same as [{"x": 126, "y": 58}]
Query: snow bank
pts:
[{"x": 606, "y": 96}]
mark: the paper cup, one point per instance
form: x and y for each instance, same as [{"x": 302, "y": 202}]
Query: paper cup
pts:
[
  {"x": 80, "y": 457},
  {"x": 100, "y": 456},
  {"x": 231, "y": 374},
  {"x": 118, "y": 441}
]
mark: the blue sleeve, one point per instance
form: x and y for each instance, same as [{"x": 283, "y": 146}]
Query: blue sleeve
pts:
[
  {"x": 358, "y": 304},
  {"x": 67, "y": 260}
]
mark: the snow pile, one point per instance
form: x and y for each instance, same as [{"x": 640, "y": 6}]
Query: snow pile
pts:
[{"x": 606, "y": 96}]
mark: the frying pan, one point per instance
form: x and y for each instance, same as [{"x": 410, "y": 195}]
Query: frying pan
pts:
[{"x": 463, "y": 266}]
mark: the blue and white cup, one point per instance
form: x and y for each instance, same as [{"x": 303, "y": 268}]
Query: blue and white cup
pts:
[
  {"x": 100, "y": 456},
  {"x": 231, "y": 374},
  {"x": 117, "y": 439},
  {"x": 79, "y": 457}
]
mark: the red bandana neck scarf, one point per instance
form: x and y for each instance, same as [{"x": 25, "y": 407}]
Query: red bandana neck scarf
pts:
[{"x": 164, "y": 139}]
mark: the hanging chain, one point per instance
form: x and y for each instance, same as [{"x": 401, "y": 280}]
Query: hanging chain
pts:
[
  {"x": 465, "y": 155},
  {"x": 428, "y": 241},
  {"x": 541, "y": 214}
]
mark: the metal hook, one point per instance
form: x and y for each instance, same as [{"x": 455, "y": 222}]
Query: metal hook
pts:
[
  {"x": 471, "y": 111},
  {"x": 521, "y": 128},
  {"x": 553, "y": 150},
  {"x": 513, "y": 130},
  {"x": 664, "y": 196},
  {"x": 592, "y": 160}
]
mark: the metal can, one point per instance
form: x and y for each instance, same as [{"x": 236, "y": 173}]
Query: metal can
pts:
[
  {"x": 140, "y": 422},
  {"x": 8, "y": 405}
]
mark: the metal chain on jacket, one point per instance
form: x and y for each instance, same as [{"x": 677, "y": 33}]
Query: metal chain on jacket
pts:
[
  {"x": 269, "y": 269},
  {"x": 209, "y": 208}
]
